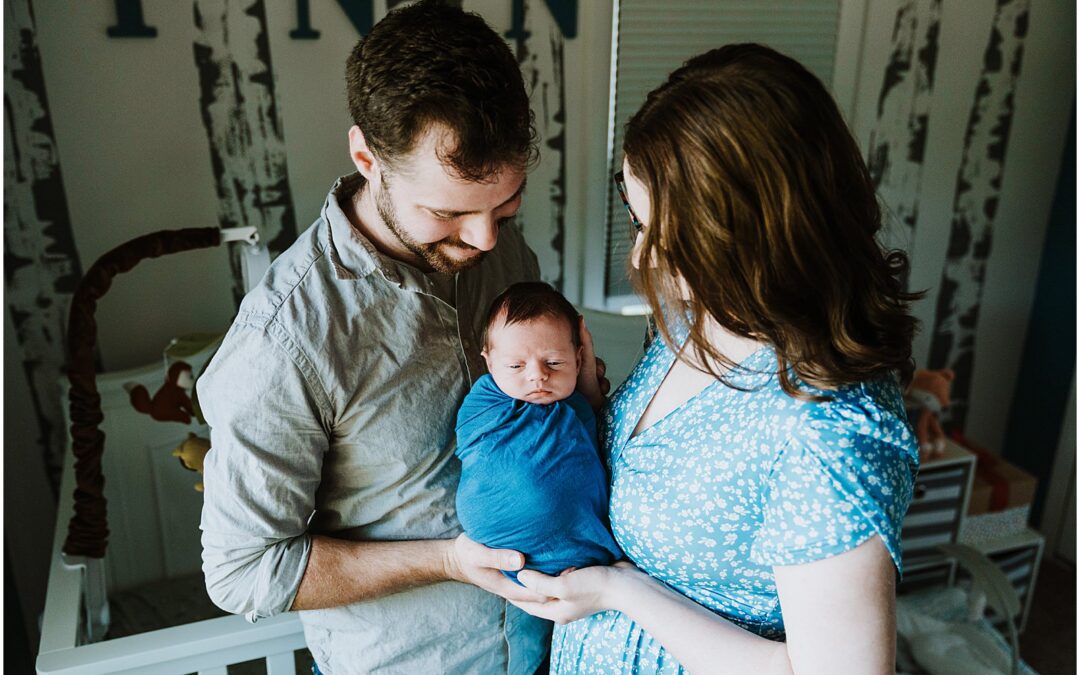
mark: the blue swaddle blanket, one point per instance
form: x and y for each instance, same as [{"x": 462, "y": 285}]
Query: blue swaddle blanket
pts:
[{"x": 532, "y": 480}]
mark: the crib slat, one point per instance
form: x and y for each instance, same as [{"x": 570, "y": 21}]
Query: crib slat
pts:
[
  {"x": 281, "y": 664},
  {"x": 223, "y": 670}
]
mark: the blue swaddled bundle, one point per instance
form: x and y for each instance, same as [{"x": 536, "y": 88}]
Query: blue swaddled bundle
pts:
[{"x": 532, "y": 480}]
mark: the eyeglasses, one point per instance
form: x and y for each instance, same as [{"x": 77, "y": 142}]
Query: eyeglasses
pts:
[{"x": 635, "y": 222}]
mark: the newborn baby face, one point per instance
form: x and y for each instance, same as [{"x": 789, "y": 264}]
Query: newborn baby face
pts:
[{"x": 533, "y": 361}]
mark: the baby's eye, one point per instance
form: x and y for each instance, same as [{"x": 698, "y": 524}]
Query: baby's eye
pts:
[
  {"x": 555, "y": 364},
  {"x": 514, "y": 366}
]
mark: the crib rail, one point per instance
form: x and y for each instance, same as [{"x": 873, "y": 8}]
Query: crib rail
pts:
[
  {"x": 76, "y": 611},
  {"x": 203, "y": 647},
  {"x": 76, "y": 615}
]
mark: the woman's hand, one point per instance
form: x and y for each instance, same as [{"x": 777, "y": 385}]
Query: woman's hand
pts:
[
  {"x": 577, "y": 593},
  {"x": 591, "y": 381}
]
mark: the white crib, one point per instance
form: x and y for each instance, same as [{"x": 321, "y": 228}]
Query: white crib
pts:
[
  {"x": 153, "y": 509},
  {"x": 153, "y": 518}
]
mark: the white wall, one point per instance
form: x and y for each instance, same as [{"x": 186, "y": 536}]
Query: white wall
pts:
[
  {"x": 135, "y": 160},
  {"x": 1044, "y": 96}
]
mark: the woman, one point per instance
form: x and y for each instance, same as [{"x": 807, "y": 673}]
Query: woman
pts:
[{"x": 761, "y": 460}]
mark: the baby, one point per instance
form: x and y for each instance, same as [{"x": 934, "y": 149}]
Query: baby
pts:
[{"x": 531, "y": 475}]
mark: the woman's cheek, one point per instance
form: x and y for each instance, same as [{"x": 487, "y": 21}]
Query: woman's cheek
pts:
[
  {"x": 635, "y": 253},
  {"x": 684, "y": 290}
]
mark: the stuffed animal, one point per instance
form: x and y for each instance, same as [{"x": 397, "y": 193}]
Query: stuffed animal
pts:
[
  {"x": 191, "y": 453},
  {"x": 171, "y": 402},
  {"x": 926, "y": 398}
]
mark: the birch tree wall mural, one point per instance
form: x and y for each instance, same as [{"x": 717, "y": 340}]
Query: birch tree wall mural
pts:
[
  {"x": 898, "y": 139},
  {"x": 978, "y": 187},
  {"x": 539, "y": 37},
  {"x": 41, "y": 266},
  {"x": 243, "y": 124}
]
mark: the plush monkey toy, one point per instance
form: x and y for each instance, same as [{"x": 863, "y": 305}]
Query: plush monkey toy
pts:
[{"x": 171, "y": 402}]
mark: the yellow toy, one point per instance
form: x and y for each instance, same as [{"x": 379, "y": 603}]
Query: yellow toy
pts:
[{"x": 191, "y": 453}]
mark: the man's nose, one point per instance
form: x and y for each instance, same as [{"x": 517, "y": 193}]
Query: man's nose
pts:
[{"x": 480, "y": 231}]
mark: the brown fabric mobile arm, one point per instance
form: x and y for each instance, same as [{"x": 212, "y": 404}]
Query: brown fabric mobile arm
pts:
[{"x": 88, "y": 530}]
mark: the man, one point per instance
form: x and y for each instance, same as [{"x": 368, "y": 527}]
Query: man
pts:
[{"x": 332, "y": 401}]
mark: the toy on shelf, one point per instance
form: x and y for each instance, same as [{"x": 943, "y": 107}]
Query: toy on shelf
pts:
[{"x": 926, "y": 398}]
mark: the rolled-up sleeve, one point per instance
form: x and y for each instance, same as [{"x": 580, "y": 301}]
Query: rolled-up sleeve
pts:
[{"x": 268, "y": 440}]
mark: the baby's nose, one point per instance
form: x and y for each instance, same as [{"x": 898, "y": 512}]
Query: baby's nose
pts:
[{"x": 538, "y": 374}]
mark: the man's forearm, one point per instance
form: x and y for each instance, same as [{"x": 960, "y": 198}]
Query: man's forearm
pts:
[{"x": 340, "y": 572}]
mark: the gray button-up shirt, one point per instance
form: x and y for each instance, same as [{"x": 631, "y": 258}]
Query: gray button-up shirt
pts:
[{"x": 332, "y": 403}]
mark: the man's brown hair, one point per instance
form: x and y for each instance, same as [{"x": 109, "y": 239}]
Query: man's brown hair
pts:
[
  {"x": 761, "y": 202},
  {"x": 430, "y": 63}
]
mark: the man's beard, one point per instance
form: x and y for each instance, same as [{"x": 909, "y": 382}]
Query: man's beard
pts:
[{"x": 434, "y": 253}]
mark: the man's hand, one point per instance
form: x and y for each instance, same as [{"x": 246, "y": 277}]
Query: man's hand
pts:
[
  {"x": 591, "y": 381},
  {"x": 476, "y": 564}
]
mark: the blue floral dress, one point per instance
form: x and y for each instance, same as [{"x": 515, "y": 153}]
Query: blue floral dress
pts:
[{"x": 711, "y": 496}]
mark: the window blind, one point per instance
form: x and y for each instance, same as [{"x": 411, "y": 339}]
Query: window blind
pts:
[{"x": 654, "y": 38}]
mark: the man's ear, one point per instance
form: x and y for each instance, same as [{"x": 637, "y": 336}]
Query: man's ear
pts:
[
  {"x": 361, "y": 155},
  {"x": 580, "y": 356}
]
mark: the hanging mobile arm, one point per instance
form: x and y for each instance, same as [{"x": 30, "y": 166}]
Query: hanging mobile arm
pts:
[{"x": 88, "y": 530}]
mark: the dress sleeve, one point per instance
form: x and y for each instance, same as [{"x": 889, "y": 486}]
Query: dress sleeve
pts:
[{"x": 845, "y": 474}]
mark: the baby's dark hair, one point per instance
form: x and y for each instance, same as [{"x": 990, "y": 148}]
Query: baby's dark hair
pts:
[{"x": 530, "y": 300}]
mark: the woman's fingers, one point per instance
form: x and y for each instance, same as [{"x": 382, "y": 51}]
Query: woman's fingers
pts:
[
  {"x": 586, "y": 337},
  {"x": 540, "y": 583},
  {"x": 591, "y": 381},
  {"x": 503, "y": 587},
  {"x": 601, "y": 371}
]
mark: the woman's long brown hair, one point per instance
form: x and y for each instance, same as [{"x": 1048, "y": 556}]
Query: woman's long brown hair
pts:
[{"x": 762, "y": 204}]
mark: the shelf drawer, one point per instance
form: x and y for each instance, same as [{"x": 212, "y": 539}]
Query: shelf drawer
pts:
[
  {"x": 930, "y": 575},
  {"x": 1020, "y": 565},
  {"x": 937, "y": 507}
]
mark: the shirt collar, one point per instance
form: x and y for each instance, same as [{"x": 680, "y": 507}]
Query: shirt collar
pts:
[{"x": 353, "y": 254}]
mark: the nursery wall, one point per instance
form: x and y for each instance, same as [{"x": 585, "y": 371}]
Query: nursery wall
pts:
[
  {"x": 126, "y": 117},
  {"x": 963, "y": 108},
  {"x": 966, "y": 131}
]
